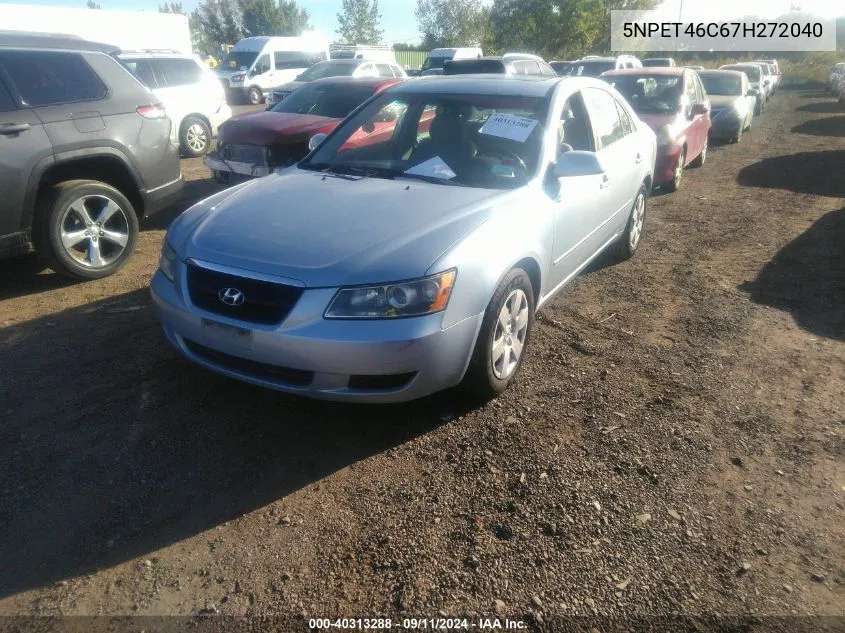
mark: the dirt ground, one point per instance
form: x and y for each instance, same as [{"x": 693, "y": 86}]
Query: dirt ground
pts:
[{"x": 674, "y": 444}]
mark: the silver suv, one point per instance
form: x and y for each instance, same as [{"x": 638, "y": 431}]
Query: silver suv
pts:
[{"x": 85, "y": 151}]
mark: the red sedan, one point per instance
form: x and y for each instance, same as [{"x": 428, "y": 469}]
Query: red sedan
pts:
[
  {"x": 673, "y": 102},
  {"x": 255, "y": 144}
]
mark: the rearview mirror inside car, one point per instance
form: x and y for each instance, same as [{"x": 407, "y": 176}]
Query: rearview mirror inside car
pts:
[
  {"x": 577, "y": 163},
  {"x": 315, "y": 140}
]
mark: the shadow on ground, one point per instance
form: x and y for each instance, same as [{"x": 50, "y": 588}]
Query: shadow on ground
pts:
[
  {"x": 823, "y": 107},
  {"x": 806, "y": 278},
  {"x": 113, "y": 446},
  {"x": 831, "y": 126},
  {"x": 805, "y": 172},
  {"x": 194, "y": 191}
]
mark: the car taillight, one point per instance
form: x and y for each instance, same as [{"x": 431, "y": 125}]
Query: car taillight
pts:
[{"x": 153, "y": 111}]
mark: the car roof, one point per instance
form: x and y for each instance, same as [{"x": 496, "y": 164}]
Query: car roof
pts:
[
  {"x": 156, "y": 54},
  {"x": 675, "y": 71},
  {"x": 653, "y": 59},
  {"x": 57, "y": 41},
  {"x": 710, "y": 71},
  {"x": 596, "y": 59},
  {"x": 370, "y": 82},
  {"x": 486, "y": 84}
]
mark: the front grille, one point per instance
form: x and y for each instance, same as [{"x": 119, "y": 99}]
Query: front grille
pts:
[
  {"x": 265, "y": 302},
  {"x": 254, "y": 369},
  {"x": 254, "y": 154},
  {"x": 382, "y": 382}
]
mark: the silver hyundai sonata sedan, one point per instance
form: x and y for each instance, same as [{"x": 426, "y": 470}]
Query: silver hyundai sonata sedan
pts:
[{"x": 410, "y": 251}]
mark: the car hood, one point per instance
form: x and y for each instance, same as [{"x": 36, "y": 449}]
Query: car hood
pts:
[
  {"x": 657, "y": 121},
  {"x": 326, "y": 231},
  {"x": 265, "y": 128},
  {"x": 723, "y": 101},
  {"x": 289, "y": 86}
]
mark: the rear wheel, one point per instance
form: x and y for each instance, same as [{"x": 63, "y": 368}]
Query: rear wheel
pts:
[
  {"x": 255, "y": 96},
  {"x": 194, "y": 137},
  {"x": 505, "y": 331},
  {"x": 85, "y": 229}
]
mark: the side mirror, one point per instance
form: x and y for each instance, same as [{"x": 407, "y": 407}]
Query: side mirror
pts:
[
  {"x": 577, "y": 163},
  {"x": 752, "y": 93},
  {"x": 315, "y": 140},
  {"x": 699, "y": 109}
]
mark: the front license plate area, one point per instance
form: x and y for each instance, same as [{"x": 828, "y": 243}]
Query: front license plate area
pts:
[{"x": 228, "y": 334}]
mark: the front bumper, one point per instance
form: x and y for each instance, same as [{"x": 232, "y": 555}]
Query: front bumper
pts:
[
  {"x": 726, "y": 128},
  {"x": 218, "y": 164},
  {"x": 664, "y": 166},
  {"x": 316, "y": 357}
]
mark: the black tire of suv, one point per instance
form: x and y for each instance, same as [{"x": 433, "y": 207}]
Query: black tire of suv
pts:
[
  {"x": 184, "y": 147},
  {"x": 480, "y": 381},
  {"x": 254, "y": 96},
  {"x": 47, "y": 228}
]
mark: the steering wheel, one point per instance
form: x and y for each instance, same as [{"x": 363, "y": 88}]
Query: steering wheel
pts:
[{"x": 503, "y": 152}]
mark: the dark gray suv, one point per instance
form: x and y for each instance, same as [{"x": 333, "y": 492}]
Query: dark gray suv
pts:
[{"x": 85, "y": 152}]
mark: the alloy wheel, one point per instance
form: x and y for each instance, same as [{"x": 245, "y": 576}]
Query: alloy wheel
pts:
[
  {"x": 637, "y": 221},
  {"x": 509, "y": 335},
  {"x": 196, "y": 138},
  {"x": 94, "y": 231}
]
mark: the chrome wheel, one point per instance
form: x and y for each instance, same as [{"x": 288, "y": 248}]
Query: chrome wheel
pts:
[
  {"x": 196, "y": 138},
  {"x": 679, "y": 171},
  {"x": 637, "y": 220},
  {"x": 94, "y": 231},
  {"x": 509, "y": 335}
]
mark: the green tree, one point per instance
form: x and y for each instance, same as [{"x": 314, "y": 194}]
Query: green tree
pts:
[
  {"x": 265, "y": 17},
  {"x": 172, "y": 7},
  {"x": 556, "y": 28},
  {"x": 294, "y": 19},
  {"x": 92, "y": 5},
  {"x": 451, "y": 22},
  {"x": 359, "y": 21}
]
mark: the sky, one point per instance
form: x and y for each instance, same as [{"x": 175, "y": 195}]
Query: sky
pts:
[{"x": 400, "y": 24}]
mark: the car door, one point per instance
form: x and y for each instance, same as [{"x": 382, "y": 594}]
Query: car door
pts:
[
  {"x": 261, "y": 74},
  {"x": 691, "y": 132},
  {"x": 23, "y": 144},
  {"x": 702, "y": 120},
  {"x": 577, "y": 201},
  {"x": 180, "y": 87}
]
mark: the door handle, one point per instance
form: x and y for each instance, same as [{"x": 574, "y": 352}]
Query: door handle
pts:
[
  {"x": 639, "y": 159},
  {"x": 605, "y": 182},
  {"x": 14, "y": 128}
]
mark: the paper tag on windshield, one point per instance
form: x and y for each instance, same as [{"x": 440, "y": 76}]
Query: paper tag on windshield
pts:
[
  {"x": 510, "y": 126},
  {"x": 433, "y": 167}
]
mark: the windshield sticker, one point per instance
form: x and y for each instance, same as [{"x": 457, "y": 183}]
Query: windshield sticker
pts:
[
  {"x": 433, "y": 167},
  {"x": 509, "y": 126}
]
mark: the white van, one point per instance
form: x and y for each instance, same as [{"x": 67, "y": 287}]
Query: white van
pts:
[
  {"x": 256, "y": 65},
  {"x": 440, "y": 56},
  {"x": 369, "y": 52}
]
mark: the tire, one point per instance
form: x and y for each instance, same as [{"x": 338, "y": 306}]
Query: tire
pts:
[
  {"x": 631, "y": 238},
  {"x": 255, "y": 96},
  {"x": 194, "y": 137},
  {"x": 702, "y": 157},
  {"x": 495, "y": 362},
  {"x": 66, "y": 215},
  {"x": 737, "y": 137},
  {"x": 675, "y": 184}
]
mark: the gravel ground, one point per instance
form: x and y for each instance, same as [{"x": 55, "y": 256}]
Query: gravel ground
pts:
[{"x": 673, "y": 446}]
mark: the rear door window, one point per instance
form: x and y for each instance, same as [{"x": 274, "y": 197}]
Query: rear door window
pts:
[
  {"x": 384, "y": 70},
  {"x": 45, "y": 78},
  {"x": 175, "y": 72},
  {"x": 143, "y": 70}
]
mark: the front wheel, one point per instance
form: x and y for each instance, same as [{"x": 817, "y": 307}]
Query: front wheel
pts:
[
  {"x": 255, "y": 96},
  {"x": 630, "y": 239},
  {"x": 699, "y": 160},
  {"x": 505, "y": 331},
  {"x": 85, "y": 229},
  {"x": 678, "y": 174}
]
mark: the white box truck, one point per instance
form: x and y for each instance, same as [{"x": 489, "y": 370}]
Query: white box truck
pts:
[{"x": 126, "y": 30}]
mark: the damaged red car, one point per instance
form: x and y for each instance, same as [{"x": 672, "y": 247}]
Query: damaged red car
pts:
[{"x": 255, "y": 144}]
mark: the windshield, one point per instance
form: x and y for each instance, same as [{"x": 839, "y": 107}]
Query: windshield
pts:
[
  {"x": 329, "y": 100},
  {"x": 653, "y": 63},
  {"x": 752, "y": 72},
  {"x": 236, "y": 60},
  {"x": 327, "y": 69},
  {"x": 434, "y": 62},
  {"x": 721, "y": 85},
  {"x": 591, "y": 69},
  {"x": 485, "y": 141},
  {"x": 654, "y": 94}
]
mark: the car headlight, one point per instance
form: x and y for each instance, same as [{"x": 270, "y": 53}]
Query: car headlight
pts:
[
  {"x": 410, "y": 298},
  {"x": 167, "y": 261},
  {"x": 238, "y": 77},
  {"x": 665, "y": 136}
]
